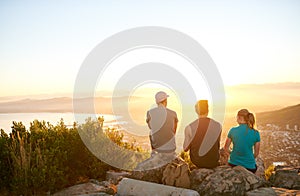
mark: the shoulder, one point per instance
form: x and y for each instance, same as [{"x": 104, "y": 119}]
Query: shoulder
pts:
[
  {"x": 149, "y": 112},
  {"x": 256, "y": 132},
  {"x": 171, "y": 112},
  {"x": 234, "y": 129},
  {"x": 194, "y": 123},
  {"x": 216, "y": 123},
  {"x": 192, "y": 126},
  {"x": 152, "y": 109}
]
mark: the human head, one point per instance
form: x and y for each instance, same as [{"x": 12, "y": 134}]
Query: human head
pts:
[
  {"x": 244, "y": 116},
  {"x": 201, "y": 107},
  {"x": 161, "y": 97}
]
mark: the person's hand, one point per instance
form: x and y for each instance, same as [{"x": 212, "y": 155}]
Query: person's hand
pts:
[
  {"x": 223, "y": 157},
  {"x": 226, "y": 153}
]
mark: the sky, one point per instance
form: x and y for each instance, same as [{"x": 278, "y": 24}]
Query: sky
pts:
[{"x": 44, "y": 43}]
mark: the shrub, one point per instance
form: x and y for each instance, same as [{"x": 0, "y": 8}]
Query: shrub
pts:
[
  {"x": 47, "y": 158},
  {"x": 5, "y": 160}
]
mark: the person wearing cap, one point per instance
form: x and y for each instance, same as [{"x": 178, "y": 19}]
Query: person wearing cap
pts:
[
  {"x": 162, "y": 123},
  {"x": 202, "y": 138}
]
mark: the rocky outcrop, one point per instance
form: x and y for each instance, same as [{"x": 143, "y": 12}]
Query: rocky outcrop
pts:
[
  {"x": 286, "y": 177},
  {"x": 155, "y": 174},
  {"x": 225, "y": 180}
]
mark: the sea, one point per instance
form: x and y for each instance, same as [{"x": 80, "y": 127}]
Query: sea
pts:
[
  {"x": 131, "y": 130},
  {"x": 6, "y": 119},
  {"x": 138, "y": 133}
]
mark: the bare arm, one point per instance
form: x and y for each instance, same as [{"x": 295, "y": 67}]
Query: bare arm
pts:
[
  {"x": 256, "y": 149},
  {"x": 226, "y": 146},
  {"x": 175, "y": 125},
  {"x": 148, "y": 119},
  {"x": 187, "y": 138}
]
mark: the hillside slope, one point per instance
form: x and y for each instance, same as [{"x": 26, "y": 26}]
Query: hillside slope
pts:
[{"x": 289, "y": 115}]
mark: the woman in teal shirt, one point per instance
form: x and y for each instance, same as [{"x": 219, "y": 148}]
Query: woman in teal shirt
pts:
[{"x": 244, "y": 138}]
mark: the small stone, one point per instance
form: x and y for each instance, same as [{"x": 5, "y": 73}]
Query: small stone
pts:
[{"x": 114, "y": 177}]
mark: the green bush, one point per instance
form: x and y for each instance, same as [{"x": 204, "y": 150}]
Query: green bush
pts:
[
  {"x": 5, "y": 171},
  {"x": 47, "y": 158}
]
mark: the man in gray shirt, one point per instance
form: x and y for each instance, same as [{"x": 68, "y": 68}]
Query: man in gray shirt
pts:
[{"x": 163, "y": 124}]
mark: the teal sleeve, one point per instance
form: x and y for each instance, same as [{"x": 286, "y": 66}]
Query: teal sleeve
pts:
[
  {"x": 257, "y": 137},
  {"x": 230, "y": 134}
]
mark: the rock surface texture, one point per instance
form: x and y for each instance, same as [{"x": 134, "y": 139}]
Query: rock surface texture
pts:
[
  {"x": 155, "y": 174},
  {"x": 286, "y": 177},
  {"x": 225, "y": 180},
  {"x": 136, "y": 187}
]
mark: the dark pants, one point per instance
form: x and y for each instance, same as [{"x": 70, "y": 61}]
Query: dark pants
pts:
[{"x": 252, "y": 170}]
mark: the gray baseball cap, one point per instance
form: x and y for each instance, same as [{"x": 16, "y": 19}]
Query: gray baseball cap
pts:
[{"x": 160, "y": 96}]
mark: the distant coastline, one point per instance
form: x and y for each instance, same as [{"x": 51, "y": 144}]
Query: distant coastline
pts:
[{"x": 256, "y": 97}]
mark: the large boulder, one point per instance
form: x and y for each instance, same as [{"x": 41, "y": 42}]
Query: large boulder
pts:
[
  {"x": 225, "y": 180},
  {"x": 286, "y": 177},
  {"x": 157, "y": 166}
]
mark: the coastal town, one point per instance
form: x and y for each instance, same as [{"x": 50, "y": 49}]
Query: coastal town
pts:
[{"x": 280, "y": 146}]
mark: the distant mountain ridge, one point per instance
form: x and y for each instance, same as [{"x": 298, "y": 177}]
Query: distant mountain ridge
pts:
[
  {"x": 59, "y": 104},
  {"x": 286, "y": 116}
]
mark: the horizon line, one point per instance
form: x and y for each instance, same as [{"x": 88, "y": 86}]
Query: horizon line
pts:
[{"x": 67, "y": 94}]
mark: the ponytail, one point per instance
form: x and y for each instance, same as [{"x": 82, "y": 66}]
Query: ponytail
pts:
[
  {"x": 248, "y": 117},
  {"x": 251, "y": 120}
]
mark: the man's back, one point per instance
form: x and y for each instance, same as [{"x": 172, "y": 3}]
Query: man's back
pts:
[
  {"x": 161, "y": 121},
  {"x": 204, "y": 142}
]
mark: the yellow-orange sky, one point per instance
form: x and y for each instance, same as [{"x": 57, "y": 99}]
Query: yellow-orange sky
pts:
[{"x": 43, "y": 44}]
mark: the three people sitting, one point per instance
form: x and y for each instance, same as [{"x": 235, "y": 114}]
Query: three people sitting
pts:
[{"x": 203, "y": 135}]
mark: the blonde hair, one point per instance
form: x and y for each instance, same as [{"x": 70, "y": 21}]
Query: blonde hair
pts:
[{"x": 248, "y": 117}]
